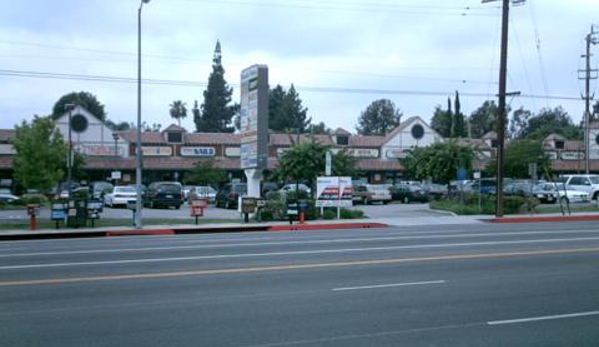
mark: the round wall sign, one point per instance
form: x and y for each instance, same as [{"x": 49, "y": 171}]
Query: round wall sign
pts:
[
  {"x": 417, "y": 131},
  {"x": 78, "y": 123}
]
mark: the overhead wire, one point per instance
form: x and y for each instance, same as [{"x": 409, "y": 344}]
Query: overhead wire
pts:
[
  {"x": 538, "y": 46},
  {"x": 115, "y": 79},
  {"x": 357, "y": 6},
  {"x": 523, "y": 61}
]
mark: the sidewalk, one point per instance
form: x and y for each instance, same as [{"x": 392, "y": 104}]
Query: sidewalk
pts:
[{"x": 22, "y": 234}]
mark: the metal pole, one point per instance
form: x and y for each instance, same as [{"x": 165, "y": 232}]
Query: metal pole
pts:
[
  {"x": 587, "y": 109},
  {"x": 138, "y": 132},
  {"x": 70, "y": 149},
  {"x": 115, "y": 136},
  {"x": 501, "y": 107},
  {"x": 70, "y": 158},
  {"x": 586, "y": 104}
]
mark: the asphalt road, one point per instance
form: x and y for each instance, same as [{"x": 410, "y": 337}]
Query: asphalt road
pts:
[{"x": 483, "y": 285}]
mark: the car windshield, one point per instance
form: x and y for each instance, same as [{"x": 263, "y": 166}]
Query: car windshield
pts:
[
  {"x": 124, "y": 190},
  {"x": 170, "y": 187}
]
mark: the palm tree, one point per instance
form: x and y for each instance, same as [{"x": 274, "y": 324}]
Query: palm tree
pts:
[{"x": 178, "y": 110}]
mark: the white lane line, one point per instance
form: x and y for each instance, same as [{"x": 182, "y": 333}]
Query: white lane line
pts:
[
  {"x": 309, "y": 252},
  {"x": 283, "y": 243},
  {"x": 543, "y": 318},
  {"x": 388, "y": 285}
]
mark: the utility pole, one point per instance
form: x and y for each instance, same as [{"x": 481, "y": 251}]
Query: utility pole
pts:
[
  {"x": 588, "y": 75},
  {"x": 501, "y": 104}
]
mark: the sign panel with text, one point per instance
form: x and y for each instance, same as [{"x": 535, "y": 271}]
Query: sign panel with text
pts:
[
  {"x": 328, "y": 189},
  {"x": 254, "y": 117}
]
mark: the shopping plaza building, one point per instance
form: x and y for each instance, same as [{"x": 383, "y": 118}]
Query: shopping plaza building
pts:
[{"x": 173, "y": 152}]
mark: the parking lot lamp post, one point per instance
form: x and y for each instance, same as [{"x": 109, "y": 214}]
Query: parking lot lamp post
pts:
[
  {"x": 138, "y": 132},
  {"x": 69, "y": 107},
  {"x": 115, "y": 136}
]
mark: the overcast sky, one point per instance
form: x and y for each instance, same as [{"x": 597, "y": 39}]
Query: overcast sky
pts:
[{"x": 340, "y": 54}]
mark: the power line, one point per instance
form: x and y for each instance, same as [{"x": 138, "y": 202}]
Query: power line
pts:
[
  {"x": 114, "y": 79},
  {"x": 360, "y": 6}
]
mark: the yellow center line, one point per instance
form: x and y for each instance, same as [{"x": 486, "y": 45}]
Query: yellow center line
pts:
[{"x": 293, "y": 267}]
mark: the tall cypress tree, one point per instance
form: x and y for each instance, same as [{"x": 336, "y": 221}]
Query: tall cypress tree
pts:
[
  {"x": 459, "y": 126},
  {"x": 216, "y": 113}
]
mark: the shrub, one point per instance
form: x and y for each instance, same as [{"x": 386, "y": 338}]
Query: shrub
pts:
[
  {"x": 468, "y": 204},
  {"x": 329, "y": 214},
  {"x": 351, "y": 214},
  {"x": 34, "y": 199}
]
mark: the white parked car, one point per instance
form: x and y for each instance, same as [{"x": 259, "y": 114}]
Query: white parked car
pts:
[
  {"x": 586, "y": 183},
  {"x": 8, "y": 198},
  {"x": 120, "y": 195},
  {"x": 565, "y": 193},
  {"x": 291, "y": 188}
]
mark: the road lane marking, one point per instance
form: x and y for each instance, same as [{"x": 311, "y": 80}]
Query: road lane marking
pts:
[
  {"x": 274, "y": 254},
  {"x": 158, "y": 275},
  {"x": 544, "y": 318},
  {"x": 284, "y": 243},
  {"x": 391, "y": 285}
]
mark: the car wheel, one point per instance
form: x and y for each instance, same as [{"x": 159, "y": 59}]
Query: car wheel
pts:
[{"x": 177, "y": 206}]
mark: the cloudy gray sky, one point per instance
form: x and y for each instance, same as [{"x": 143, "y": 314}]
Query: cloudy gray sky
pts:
[{"x": 340, "y": 54}]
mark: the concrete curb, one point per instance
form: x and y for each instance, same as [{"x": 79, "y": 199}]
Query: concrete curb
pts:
[
  {"x": 181, "y": 230},
  {"x": 540, "y": 219}
]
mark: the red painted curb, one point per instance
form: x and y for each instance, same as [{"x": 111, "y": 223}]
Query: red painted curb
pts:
[
  {"x": 140, "y": 232},
  {"x": 295, "y": 227},
  {"x": 544, "y": 219}
]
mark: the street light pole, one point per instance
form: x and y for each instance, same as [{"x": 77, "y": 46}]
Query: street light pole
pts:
[
  {"x": 115, "y": 136},
  {"x": 70, "y": 107},
  {"x": 138, "y": 132}
]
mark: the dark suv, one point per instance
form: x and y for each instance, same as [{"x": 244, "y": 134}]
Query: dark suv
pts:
[
  {"x": 163, "y": 194},
  {"x": 227, "y": 197}
]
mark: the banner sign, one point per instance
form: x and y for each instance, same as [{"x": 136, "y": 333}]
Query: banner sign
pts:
[
  {"x": 157, "y": 151},
  {"x": 358, "y": 152},
  {"x": 232, "y": 152},
  {"x": 572, "y": 155},
  {"x": 197, "y": 151},
  {"x": 328, "y": 188}
]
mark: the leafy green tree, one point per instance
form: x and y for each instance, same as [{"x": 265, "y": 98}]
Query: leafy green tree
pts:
[
  {"x": 40, "y": 154},
  {"x": 121, "y": 126},
  {"x": 84, "y": 99},
  {"x": 519, "y": 122},
  {"x": 305, "y": 162},
  {"x": 319, "y": 129},
  {"x": 205, "y": 173},
  {"x": 178, "y": 110},
  {"x": 518, "y": 154},
  {"x": 439, "y": 162},
  {"x": 379, "y": 118},
  {"x": 484, "y": 119},
  {"x": 216, "y": 114},
  {"x": 285, "y": 111},
  {"x": 550, "y": 121},
  {"x": 145, "y": 127}
]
